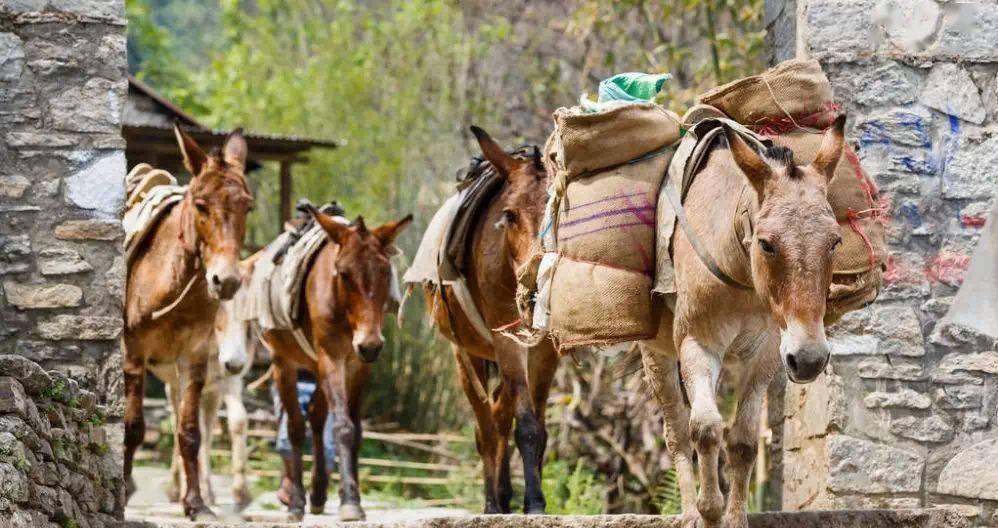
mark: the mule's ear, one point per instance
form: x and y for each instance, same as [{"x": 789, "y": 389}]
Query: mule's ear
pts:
[
  {"x": 831, "y": 149},
  {"x": 503, "y": 162},
  {"x": 756, "y": 170},
  {"x": 194, "y": 157},
  {"x": 336, "y": 231},
  {"x": 387, "y": 233},
  {"x": 234, "y": 151},
  {"x": 359, "y": 225}
]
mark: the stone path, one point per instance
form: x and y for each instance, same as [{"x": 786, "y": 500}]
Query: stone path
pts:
[{"x": 150, "y": 504}]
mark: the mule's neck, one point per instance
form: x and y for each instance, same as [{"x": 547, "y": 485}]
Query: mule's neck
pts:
[{"x": 722, "y": 205}]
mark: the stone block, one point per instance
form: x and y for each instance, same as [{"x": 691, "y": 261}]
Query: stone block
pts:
[
  {"x": 11, "y": 57},
  {"x": 61, "y": 261},
  {"x": 972, "y": 169},
  {"x": 879, "y": 368},
  {"x": 860, "y": 466},
  {"x": 909, "y": 25},
  {"x": 950, "y": 89},
  {"x": 33, "y": 378},
  {"x": 88, "y": 230},
  {"x": 947, "y": 377},
  {"x": 968, "y": 33},
  {"x": 986, "y": 362},
  {"x": 13, "y": 400},
  {"x": 841, "y": 30},
  {"x": 94, "y": 107},
  {"x": 40, "y": 351},
  {"x": 909, "y": 126},
  {"x": 972, "y": 473},
  {"x": 13, "y": 186},
  {"x": 930, "y": 429},
  {"x": 876, "y": 84},
  {"x": 853, "y": 344},
  {"x": 100, "y": 186},
  {"x": 959, "y": 396},
  {"x": 13, "y": 484},
  {"x": 80, "y": 327},
  {"x": 38, "y": 296},
  {"x": 904, "y": 398}
]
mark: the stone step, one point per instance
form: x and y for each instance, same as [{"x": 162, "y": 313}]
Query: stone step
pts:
[{"x": 918, "y": 518}]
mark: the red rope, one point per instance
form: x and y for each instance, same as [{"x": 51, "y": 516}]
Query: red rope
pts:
[
  {"x": 853, "y": 218},
  {"x": 508, "y": 326}
]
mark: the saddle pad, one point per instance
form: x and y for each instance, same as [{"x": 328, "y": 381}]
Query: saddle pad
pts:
[
  {"x": 693, "y": 150},
  {"x": 152, "y": 193},
  {"x": 273, "y": 297},
  {"x": 471, "y": 201},
  {"x": 425, "y": 264}
]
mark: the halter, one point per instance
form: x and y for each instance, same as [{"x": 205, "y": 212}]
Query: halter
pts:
[{"x": 195, "y": 249}]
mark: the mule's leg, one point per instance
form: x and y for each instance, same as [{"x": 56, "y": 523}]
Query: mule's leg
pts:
[
  {"x": 135, "y": 425},
  {"x": 701, "y": 370},
  {"x": 286, "y": 378},
  {"x": 530, "y": 434},
  {"x": 346, "y": 429},
  {"x": 210, "y": 402},
  {"x": 317, "y": 414},
  {"x": 236, "y": 412},
  {"x": 190, "y": 437},
  {"x": 175, "y": 489},
  {"x": 743, "y": 436},
  {"x": 542, "y": 362},
  {"x": 661, "y": 367},
  {"x": 502, "y": 417},
  {"x": 485, "y": 432}
]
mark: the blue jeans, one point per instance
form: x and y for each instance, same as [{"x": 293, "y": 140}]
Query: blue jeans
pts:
[{"x": 306, "y": 390}]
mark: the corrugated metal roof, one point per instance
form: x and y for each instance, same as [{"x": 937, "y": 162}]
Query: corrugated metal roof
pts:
[{"x": 159, "y": 117}]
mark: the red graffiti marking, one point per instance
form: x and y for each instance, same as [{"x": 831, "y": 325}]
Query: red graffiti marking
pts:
[
  {"x": 972, "y": 220},
  {"x": 948, "y": 268}
]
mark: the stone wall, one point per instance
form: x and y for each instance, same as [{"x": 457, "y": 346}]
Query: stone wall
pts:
[
  {"x": 62, "y": 87},
  {"x": 60, "y": 462},
  {"x": 906, "y": 414}
]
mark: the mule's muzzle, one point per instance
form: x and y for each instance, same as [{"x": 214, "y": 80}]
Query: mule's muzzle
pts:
[
  {"x": 806, "y": 362},
  {"x": 369, "y": 350},
  {"x": 223, "y": 285},
  {"x": 233, "y": 366}
]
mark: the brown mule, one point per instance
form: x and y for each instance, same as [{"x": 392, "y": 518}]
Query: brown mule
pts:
[
  {"x": 503, "y": 238},
  {"x": 785, "y": 258},
  {"x": 199, "y": 239},
  {"x": 346, "y": 291}
]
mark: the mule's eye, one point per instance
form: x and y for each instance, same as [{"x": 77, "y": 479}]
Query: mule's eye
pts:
[
  {"x": 836, "y": 244},
  {"x": 508, "y": 218},
  {"x": 201, "y": 205},
  {"x": 767, "y": 247}
]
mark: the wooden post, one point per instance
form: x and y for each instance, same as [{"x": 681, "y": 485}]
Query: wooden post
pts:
[{"x": 285, "y": 191}]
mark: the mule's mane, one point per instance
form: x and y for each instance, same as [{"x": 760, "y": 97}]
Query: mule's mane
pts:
[{"x": 783, "y": 157}]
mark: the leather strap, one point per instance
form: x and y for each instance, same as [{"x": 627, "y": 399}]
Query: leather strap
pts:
[{"x": 691, "y": 236}]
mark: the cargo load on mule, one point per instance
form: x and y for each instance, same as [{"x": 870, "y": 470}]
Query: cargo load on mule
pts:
[
  {"x": 615, "y": 170},
  {"x": 792, "y": 106},
  {"x": 591, "y": 282}
]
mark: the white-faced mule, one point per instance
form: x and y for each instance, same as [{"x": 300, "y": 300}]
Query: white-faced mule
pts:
[{"x": 771, "y": 307}]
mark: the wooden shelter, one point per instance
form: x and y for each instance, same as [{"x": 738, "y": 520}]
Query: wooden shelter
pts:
[{"x": 147, "y": 125}]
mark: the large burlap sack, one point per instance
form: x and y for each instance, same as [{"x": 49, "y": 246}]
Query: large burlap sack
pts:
[
  {"x": 607, "y": 169},
  {"x": 792, "y": 105}
]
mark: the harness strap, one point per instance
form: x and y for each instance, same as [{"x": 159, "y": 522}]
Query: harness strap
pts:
[
  {"x": 691, "y": 236},
  {"x": 168, "y": 308}
]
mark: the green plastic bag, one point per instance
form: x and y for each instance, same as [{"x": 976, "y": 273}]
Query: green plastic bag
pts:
[{"x": 633, "y": 87}]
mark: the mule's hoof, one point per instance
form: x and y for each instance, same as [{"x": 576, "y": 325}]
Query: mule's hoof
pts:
[
  {"x": 317, "y": 509},
  {"x": 202, "y": 514},
  {"x": 534, "y": 510},
  {"x": 351, "y": 512},
  {"x": 242, "y": 497},
  {"x": 297, "y": 513},
  {"x": 172, "y": 494},
  {"x": 738, "y": 520},
  {"x": 691, "y": 520},
  {"x": 130, "y": 488}
]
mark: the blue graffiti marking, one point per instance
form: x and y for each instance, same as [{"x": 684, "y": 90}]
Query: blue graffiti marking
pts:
[{"x": 911, "y": 215}]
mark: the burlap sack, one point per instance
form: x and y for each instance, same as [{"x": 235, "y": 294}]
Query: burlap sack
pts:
[
  {"x": 608, "y": 168},
  {"x": 585, "y": 142},
  {"x": 792, "y": 104},
  {"x": 797, "y": 88}
]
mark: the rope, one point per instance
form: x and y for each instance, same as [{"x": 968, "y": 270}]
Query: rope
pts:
[{"x": 163, "y": 311}]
